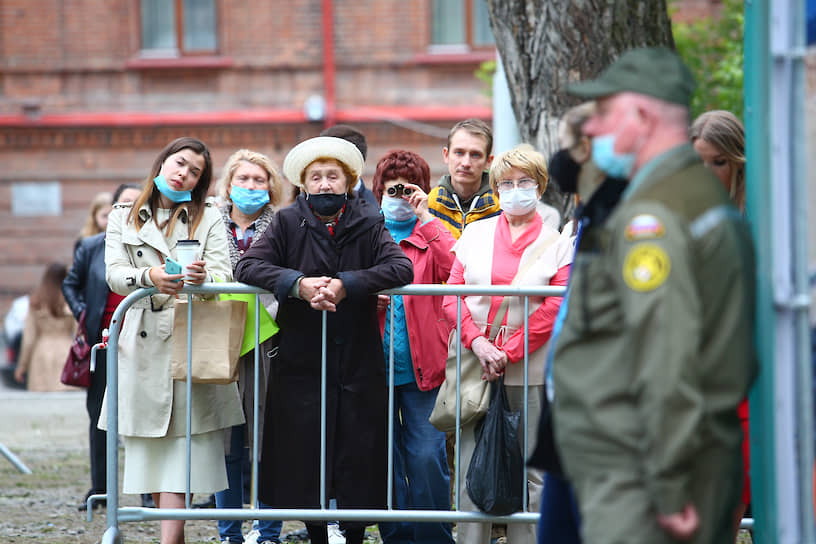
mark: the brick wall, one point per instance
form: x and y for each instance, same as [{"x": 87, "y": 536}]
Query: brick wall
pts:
[
  {"x": 96, "y": 112},
  {"x": 85, "y": 60},
  {"x": 87, "y": 161}
]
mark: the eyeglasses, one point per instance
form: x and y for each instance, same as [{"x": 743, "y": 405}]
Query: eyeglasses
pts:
[
  {"x": 399, "y": 188},
  {"x": 509, "y": 184}
]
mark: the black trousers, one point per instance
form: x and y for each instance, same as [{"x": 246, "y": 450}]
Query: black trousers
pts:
[{"x": 97, "y": 438}]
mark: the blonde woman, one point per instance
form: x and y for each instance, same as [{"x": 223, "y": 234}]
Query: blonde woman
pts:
[
  {"x": 152, "y": 406},
  {"x": 97, "y": 220},
  {"x": 494, "y": 251},
  {"x": 719, "y": 138},
  {"x": 250, "y": 187}
]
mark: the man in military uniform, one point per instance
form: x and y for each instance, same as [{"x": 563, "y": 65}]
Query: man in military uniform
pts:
[{"x": 656, "y": 349}]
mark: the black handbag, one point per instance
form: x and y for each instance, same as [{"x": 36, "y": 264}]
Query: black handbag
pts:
[{"x": 496, "y": 477}]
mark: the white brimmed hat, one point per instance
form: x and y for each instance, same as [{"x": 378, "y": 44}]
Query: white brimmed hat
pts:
[{"x": 308, "y": 151}]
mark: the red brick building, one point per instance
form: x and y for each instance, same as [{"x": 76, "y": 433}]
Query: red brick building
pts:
[{"x": 90, "y": 91}]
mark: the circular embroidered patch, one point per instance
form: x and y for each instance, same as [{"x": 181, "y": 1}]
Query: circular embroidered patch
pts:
[{"x": 646, "y": 267}]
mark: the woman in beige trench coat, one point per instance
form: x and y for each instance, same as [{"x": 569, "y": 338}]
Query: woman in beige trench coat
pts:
[
  {"x": 47, "y": 336},
  {"x": 152, "y": 407}
]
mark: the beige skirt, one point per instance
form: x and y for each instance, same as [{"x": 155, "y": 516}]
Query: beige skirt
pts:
[{"x": 154, "y": 465}]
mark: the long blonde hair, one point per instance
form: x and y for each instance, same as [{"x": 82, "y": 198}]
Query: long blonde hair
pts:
[
  {"x": 723, "y": 130},
  {"x": 91, "y": 227}
]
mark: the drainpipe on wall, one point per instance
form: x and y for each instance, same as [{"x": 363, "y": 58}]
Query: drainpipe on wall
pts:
[
  {"x": 505, "y": 127},
  {"x": 329, "y": 68}
]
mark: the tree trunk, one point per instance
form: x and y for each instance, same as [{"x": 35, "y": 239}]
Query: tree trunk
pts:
[{"x": 545, "y": 44}]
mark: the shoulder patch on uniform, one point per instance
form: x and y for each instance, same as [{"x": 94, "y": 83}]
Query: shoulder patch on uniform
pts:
[
  {"x": 644, "y": 226},
  {"x": 646, "y": 267}
]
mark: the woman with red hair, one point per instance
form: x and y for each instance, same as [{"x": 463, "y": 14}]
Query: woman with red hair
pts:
[{"x": 420, "y": 339}]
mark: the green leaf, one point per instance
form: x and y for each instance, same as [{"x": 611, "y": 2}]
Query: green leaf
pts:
[{"x": 713, "y": 49}]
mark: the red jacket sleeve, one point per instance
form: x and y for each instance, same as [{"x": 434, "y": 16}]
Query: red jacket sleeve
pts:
[{"x": 540, "y": 322}]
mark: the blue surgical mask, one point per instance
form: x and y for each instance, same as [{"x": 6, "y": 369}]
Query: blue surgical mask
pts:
[
  {"x": 396, "y": 209},
  {"x": 616, "y": 165},
  {"x": 249, "y": 201},
  {"x": 175, "y": 196}
]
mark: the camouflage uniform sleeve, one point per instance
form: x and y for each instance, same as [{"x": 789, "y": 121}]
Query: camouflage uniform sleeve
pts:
[{"x": 662, "y": 312}]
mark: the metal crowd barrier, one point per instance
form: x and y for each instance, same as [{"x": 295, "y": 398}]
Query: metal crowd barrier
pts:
[
  {"x": 13, "y": 459},
  {"x": 117, "y": 514}
]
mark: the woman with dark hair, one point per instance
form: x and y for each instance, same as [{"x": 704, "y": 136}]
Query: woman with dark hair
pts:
[
  {"x": 152, "y": 406},
  {"x": 47, "y": 334},
  {"x": 420, "y": 342},
  {"x": 596, "y": 195},
  {"x": 85, "y": 290},
  {"x": 329, "y": 251}
]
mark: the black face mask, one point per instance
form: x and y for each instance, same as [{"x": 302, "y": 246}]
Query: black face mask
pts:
[
  {"x": 564, "y": 170},
  {"x": 326, "y": 204}
]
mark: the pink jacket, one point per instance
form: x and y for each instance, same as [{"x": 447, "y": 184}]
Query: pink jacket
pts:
[{"x": 429, "y": 248}]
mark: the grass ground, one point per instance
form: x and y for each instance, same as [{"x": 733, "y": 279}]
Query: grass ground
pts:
[{"x": 48, "y": 433}]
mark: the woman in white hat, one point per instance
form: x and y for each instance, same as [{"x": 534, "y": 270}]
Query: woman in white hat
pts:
[{"x": 327, "y": 251}]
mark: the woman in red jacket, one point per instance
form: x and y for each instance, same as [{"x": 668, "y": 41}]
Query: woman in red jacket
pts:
[{"x": 419, "y": 341}]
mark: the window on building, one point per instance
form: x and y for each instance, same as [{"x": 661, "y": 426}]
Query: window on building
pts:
[
  {"x": 178, "y": 27},
  {"x": 462, "y": 23}
]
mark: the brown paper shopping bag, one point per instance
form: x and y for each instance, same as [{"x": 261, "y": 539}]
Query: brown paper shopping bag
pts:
[{"x": 218, "y": 330}]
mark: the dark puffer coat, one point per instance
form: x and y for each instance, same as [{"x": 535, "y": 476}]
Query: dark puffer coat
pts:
[{"x": 364, "y": 256}]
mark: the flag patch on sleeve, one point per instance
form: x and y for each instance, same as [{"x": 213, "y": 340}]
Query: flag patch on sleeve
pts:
[{"x": 644, "y": 226}]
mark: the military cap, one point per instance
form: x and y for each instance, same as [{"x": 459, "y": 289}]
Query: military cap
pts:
[{"x": 653, "y": 71}]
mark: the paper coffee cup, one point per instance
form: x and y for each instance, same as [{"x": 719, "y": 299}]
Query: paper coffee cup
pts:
[{"x": 187, "y": 251}]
